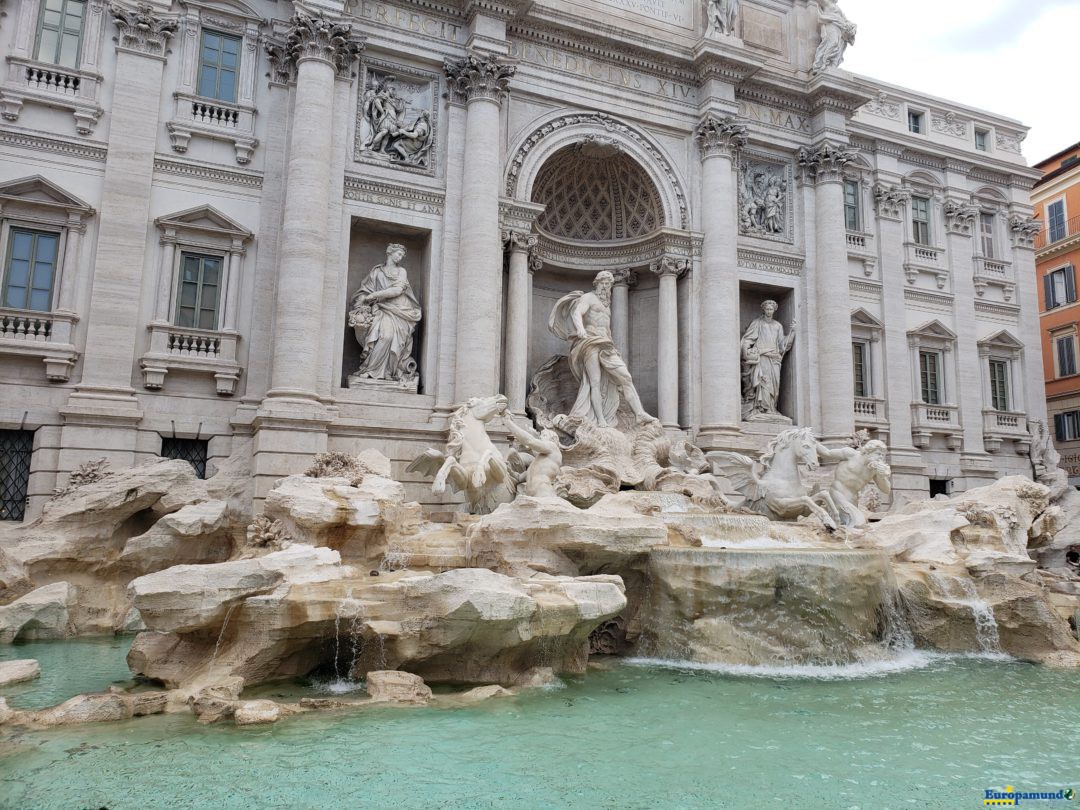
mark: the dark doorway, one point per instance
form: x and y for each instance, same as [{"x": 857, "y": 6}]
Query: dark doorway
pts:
[{"x": 940, "y": 486}]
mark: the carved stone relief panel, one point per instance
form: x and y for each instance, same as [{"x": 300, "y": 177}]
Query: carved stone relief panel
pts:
[
  {"x": 765, "y": 204},
  {"x": 396, "y": 117}
]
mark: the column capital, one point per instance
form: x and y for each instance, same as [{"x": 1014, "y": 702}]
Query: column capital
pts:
[
  {"x": 315, "y": 36},
  {"x": 519, "y": 241},
  {"x": 669, "y": 266},
  {"x": 1024, "y": 229},
  {"x": 479, "y": 76},
  {"x": 825, "y": 162},
  {"x": 718, "y": 135},
  {"x": 959, "y": 217},
  {"x": 142, "y": 29},
  {"x": 891, "y": 200},
  {"x": 625, "y": 277}
]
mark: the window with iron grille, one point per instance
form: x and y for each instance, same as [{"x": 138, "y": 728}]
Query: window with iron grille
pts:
[
  {"x": 999, "y": 384},
  {"x": 16, "y": 447},
  {"x": 193, "y": 451}
]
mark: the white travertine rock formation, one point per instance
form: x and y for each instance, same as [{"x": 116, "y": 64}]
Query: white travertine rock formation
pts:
[
  {"x": 43, "y": 613},
  {"x": 392, "y": 686},
  {"x": 18, "y": 671}
]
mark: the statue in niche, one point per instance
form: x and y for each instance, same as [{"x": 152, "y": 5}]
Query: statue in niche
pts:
[
  {"x": 584, "y": 320},
  {"x": 762, "y": 199},
  {"x": 837, "y": 32},
  {"x": 764, "y": 346},
  {"x": 384, "y": 313},
  {"x": 384, "y": 128},
  {"x": 723, "y": 15}
]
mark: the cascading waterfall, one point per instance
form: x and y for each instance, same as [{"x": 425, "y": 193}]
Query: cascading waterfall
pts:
[
  {"x": 773, "y": 607},
  {"x": 961, "y": 592},
  {"x": 354, "y": 632}
]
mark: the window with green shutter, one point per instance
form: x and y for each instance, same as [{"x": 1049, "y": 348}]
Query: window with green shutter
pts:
[
  {"x": 200, "y": 290},
  {"x": 60, "y": 30},
  {"x": 219, "y": 63},
  {"x": 999, "y": 385},
  {"x": 30, "y": 269}
]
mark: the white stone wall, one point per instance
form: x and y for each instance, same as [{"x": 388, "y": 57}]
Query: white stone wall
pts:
[{"x": 652, "y": 80}]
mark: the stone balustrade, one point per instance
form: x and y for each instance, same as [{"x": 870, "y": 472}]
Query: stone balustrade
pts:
[
  {"x": 994, "y": 273},
  {"x": 217, "y": 120},
  {"x": 201, "y": 351},
  {"x": 44, "y": 335},
  {"x": 49, "y": 85},
  {"x": 936, "y": 420},
  {"x": 1001, "y": 426}
]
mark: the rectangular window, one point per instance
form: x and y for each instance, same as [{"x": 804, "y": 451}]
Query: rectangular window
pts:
[
  {"x": 920, "y": 220},
  {"x": 30, "y": 269},
  {"x": 219, "y": 61},
  {"x": 982, "y": 140},
  {"x": 999, "y": 385},
  {"x": 915, "y": 122},
  {"x": 860, "y": 357},
  {"x": 16, "y": 447},
  {"x": 194, "y": 451},
  {"x": 851, "y": 205},
  {"x": 1067, "y": 426},
  {"x": 1055, "y": 221},
  {"x": 930, "y": 377},
  {"x": 60, "y": 31},
  {"x": 1059, "y": 287},
  {"x": 1066, "y": 355},
  {"x": 200, "y": 287},
  {"x": 986, "y": 234}
]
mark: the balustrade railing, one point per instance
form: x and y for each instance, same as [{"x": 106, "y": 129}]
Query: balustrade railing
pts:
[
  {"x": 1057, "y": 232},
  {"x": 25, "y": 326},
  {"x": 215, "y": 114},
  {"x": 194, "y": 344},
  {"x": 56, "y": 81}
]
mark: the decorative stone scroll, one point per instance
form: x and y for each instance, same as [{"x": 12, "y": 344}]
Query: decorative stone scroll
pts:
[
  {"x": 143, "y": 29},
  {"x": 670, "y": 266},
  {"x": 396, "y": 116},
  {"x": 1024, "y": 230},
  {"x": 882, "y": 107},
  {"x": 891, "y": 200},
  {"x": 720, "y": 136},
  {"x": 479, "y": 76},
  {"x": 959, "y": 217},
  {"x": 764, "y": 199}
]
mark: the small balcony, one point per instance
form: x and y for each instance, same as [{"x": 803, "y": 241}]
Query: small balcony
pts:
[
  {"x": 217, "y": 120},
  {"x": 928, "y": 421},
  {"x": 44, "y": 335},
  {"x": 927, "y": 259},
  {"x": 1061, "y": 237},
  {"x": 994, "y": 273},
  {"x": 1002, "y": 426},
  {"x": 201, "y": 351},
  {"x": 51, "y": 86}
]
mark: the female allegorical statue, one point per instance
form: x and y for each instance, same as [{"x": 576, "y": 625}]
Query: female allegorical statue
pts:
[
  {"x": 384, "y": 313},
  {"x": 764, "y": 345}
]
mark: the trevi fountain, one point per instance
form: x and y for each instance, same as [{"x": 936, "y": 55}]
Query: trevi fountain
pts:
[{"x": 613, "y": 618}]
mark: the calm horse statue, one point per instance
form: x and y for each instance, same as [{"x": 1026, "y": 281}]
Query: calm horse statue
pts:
[
  {"x": 773, "y": 486},
  {"x": 471, "y": 463}
]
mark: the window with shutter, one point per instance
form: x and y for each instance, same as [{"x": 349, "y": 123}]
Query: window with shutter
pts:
[
  {"x": 930, "y": 377},
  {"x": 999, "y": 385},
  {"x": 1055, "y": 219},
  {"x": 1066, "y": 355}
]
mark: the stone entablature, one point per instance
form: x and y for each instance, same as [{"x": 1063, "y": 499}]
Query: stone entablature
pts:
[{"x": 728, "y": 161}]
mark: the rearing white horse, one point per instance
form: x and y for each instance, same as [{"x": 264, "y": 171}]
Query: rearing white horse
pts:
[{"x": 773, "y": 486}]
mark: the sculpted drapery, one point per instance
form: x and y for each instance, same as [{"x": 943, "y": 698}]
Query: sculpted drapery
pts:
[
  {"x": 764, "y": 345},
  {"x": 384, "y": 313}
]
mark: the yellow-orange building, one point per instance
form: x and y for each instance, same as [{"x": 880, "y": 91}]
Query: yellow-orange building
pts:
[{"x": 1056, "y": 198}]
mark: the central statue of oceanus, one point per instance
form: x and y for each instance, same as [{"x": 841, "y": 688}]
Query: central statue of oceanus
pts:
[{"x": 584, "y": 320}]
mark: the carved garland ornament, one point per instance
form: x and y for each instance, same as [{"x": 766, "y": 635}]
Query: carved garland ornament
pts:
[
  {"x": 142, "y": 30},
  {"x": 720, "y": 136},
  {"x": 478, "y": 76},
  {"x": 611, "y": 125}
]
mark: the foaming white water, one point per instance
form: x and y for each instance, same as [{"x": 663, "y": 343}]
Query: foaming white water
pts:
[
  {"x": 338, "y": 686},
  {"x": 903, "y": 661}
]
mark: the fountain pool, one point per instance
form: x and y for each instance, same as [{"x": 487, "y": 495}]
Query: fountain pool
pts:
[{"x": 929, "y": 731}]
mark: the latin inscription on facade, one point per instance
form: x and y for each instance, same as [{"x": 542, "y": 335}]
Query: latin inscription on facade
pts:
[
  {"x": 774, "y": 117},
  {"x": 409, "y": 21},
  {"x": 603, "y": 72},
  {"x": 672, "y": 12}
]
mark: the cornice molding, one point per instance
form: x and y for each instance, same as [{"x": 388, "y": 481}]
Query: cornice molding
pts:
[{"x": 41, "y": 143}]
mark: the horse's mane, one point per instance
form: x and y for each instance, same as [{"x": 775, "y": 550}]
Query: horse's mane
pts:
[
  {"x": 457, "y": 429},
  {"x": 782, "y": 441}
]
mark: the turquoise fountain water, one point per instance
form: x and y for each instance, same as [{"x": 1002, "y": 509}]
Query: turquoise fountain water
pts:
[{"x": 935, "y": 735}]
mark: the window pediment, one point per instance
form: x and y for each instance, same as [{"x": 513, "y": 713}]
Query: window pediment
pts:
[
  {"x": 1002, "y": 342},
  {"x": 932, "y": 330},
  {"x": 204, "y": 220},
  {"x": 860, "y": 317},
  {"x": 38, "y": 191}
]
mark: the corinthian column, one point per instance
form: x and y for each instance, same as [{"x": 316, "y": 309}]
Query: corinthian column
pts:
[
  {"x": 517, "y": 318},
  {"x": 316, "y": 48},
  {"x": 482, "y": 80},
  {"x": 620, "y": 311},
  {"x": 719, "y": 140},
  {"x": 823, "y": 166},
  {"x": 667, "y": 353}
]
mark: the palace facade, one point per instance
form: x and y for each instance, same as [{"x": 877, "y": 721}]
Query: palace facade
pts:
[{"x": 191, "y": 195}]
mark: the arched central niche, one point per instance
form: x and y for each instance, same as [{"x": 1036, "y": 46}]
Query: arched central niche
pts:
[{"x": 593, "y": 191}]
